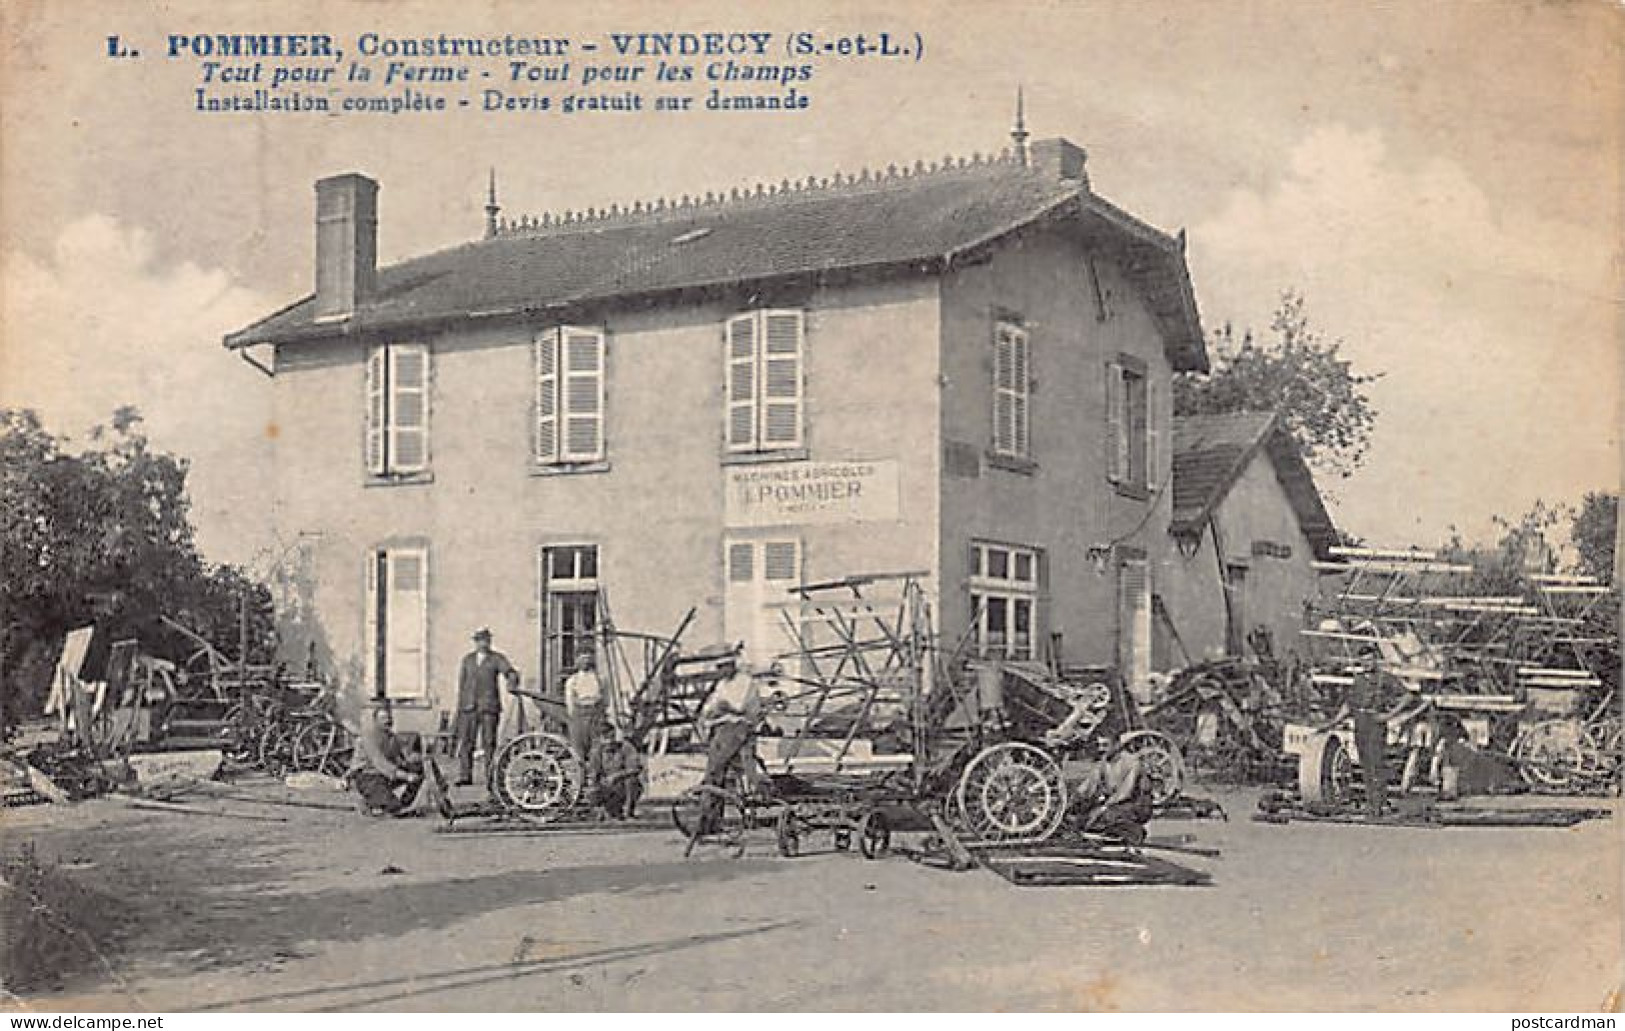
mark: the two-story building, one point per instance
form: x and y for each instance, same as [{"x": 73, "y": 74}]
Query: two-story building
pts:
[{"x": 959, "y": 369}]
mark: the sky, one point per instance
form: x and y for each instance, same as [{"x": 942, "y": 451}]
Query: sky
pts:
[{"x": 1441, "y": 181}]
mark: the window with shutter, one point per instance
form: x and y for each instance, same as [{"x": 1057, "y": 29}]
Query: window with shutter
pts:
[
  {"x": 409, "y": 407},
  {"x": 547, "y": 397},
  {"x": 757, "y": 598},
  {"x": 1116, "y": 437},
  {"x": 1129, "y": 425},
  {"x": 1153, "y": 436},
  {"x": 396, "y": 621},
  {"x": 569, "y": 396},
  {"x": 764, "y": 386},
  {"x": 397, "y": 432},
  {"x": 377, "y": 385},
  {"x": 1012, "y": 377}
]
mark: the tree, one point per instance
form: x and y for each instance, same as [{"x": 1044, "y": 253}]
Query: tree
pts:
[
  {"x": 102, "y": 536},
  {"x": 1297, "y": 373},
  {"x": 1593, "y": 534}
]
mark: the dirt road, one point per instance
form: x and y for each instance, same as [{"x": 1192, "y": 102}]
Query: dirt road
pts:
[{"x": 296, "y": 915}]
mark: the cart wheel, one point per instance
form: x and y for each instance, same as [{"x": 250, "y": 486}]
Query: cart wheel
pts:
[
  {"x": 1325, "y": 770},
  {"x": 1160, "y": 763},
  {"x": 537, "y": 776},
  {"x": 874, "y": 834},
  {"x": 1011, "y": 792},
  {"x": 789, "y": 838},
  {"x": 843, "y": 839},
  {"x": 324, "y": 747},
  {"x": 1550, "y": 755},
  {"x": 686, "y": 813}
]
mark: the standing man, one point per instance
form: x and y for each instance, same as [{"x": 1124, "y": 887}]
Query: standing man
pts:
[
  {"x": 479, "y": 703},
  {"x": 584, "y": 704},
  {"x": 728, "y": 720},
  {"x": 384, "y": 772}
]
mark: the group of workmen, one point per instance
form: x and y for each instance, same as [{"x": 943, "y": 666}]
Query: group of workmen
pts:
[
  {"x": 390, "y": 769},
  {"x": 1113, "y": 797}
]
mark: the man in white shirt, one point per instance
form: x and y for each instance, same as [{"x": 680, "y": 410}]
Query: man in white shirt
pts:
[
  {"x": 728, "y": 720},
  {"x": 584, "y": 704}
]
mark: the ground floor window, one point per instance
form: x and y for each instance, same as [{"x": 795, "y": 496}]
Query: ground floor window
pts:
[
  {"x": 1004, "y": 600},
  {"x": 569, "y": 607},
  {"x": 397, "y": 622}
]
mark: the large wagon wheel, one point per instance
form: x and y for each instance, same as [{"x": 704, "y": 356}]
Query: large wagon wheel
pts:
[
  {"x": 1160, "y": 763},
  {"x": 1011, "y": 792},
  {"x": 537, "y": 776},
  {"x": 323, "y": 746},
  {"x": 1549, "y": 755},
  {"x": 1325, "y": 770}
]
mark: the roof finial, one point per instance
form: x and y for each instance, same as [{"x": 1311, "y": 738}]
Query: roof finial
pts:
[
  {"x": 1019, "y": 134},
  {"x": 492, "y": 209}
]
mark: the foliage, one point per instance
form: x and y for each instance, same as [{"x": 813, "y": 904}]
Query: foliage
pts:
[
  {"x": 1296, "y": 372},
  {"x": 1526, "y": 546},
  {"x": 1592, "y": 533},
  {"x": 102, "y": 536}
]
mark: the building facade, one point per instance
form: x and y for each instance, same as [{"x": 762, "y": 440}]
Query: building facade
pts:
[
  {"x": 1249, "y": 526},
  {"x": 960, "y": 371}
]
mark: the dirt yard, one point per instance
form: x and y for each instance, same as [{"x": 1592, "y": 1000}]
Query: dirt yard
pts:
[{"x": 299, "y": 915}]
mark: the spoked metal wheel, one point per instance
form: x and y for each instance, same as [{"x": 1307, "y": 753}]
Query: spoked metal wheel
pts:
[
  {"x": 324, "y": 747},
  {"x": 1160, "y": 763},
  {"x": 1325, "y": 771},
  {"x": 1012, "y": 792},
  {"x": 1549, "y": 755},
  {"x": 728, "y": 829},
  {"x": 537, "y": 776}
]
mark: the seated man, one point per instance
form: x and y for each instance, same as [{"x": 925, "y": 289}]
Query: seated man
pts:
[
  {"x": 617, "y": 772},
  {"x": 383, "y": 773},
  {"x": 1113, "y": 797}
]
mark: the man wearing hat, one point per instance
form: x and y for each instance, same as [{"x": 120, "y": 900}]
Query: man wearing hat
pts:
[
  {"x": 479, "y": 703},
  {"x": 728, "y": 720}
]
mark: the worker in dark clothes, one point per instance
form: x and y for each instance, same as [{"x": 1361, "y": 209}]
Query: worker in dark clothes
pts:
[
  {"x": 1367, "y": 704},
  {"x": 385, "y": 773},
  {"x": 479, "y": 703},
  {"x": 617, "y": 772}
]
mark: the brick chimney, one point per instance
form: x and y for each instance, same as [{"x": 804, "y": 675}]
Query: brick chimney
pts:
[
  {"x": 1060, "y": 159},
  {"x": 346, "y": 243}
]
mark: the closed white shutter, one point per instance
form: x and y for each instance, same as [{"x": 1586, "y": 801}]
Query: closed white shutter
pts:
[
  {"x": 1153, "y": 435},
  {"x": 1011, "y": 375},
  {"x": 1021, "y": 367},
  {"x": 406, "y": 670},
  {"x": 1116, "y": 425},
  {"x": 408, "y": 408},
  {"x": 377, "y": 384},
  {"x": 371, "y": 626},
  {"x": 547, "y": 396},
  {"x": 583, "y": 408},
  {"x": 741, "y": 383},
  {"x": 781, "y": 379},
  {"x": 1134, "y": 620},
  {"x": 781, "y": 561}
]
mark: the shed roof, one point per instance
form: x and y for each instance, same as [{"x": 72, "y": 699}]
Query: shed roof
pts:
[
  {"x": 1212, "y": 451},
  {"x": 915, "y": 222}
]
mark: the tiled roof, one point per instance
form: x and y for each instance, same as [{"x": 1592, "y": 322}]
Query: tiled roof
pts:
[
  {"x": 1212, "y": 451},
  {"x": 915, "y": 222}
]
